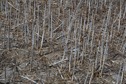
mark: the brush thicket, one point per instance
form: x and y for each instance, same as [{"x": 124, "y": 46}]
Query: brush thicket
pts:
[{"x": 73, "y": 41}]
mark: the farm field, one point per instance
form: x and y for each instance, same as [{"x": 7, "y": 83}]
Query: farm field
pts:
[{"x": 62, "y": 42}]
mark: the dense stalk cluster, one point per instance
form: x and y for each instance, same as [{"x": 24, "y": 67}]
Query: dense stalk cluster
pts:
[{"x": 63, "y": 41}]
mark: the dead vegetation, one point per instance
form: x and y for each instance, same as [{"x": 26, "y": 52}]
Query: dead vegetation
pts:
[{"x": 63, "y": 41}]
